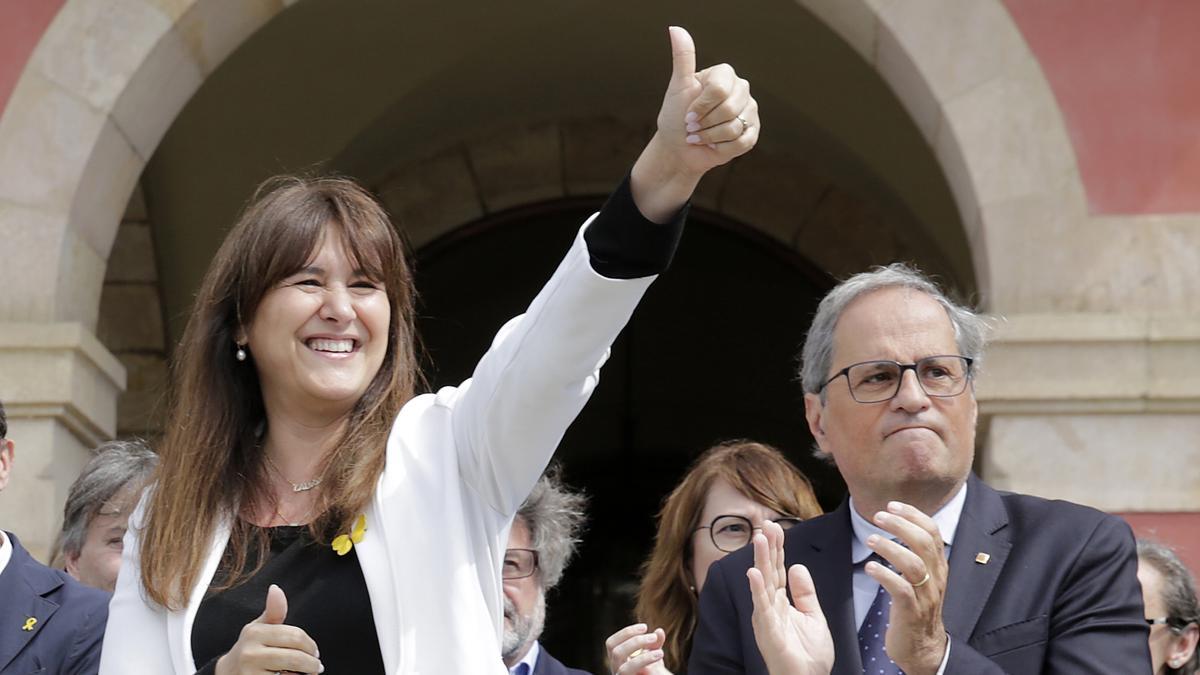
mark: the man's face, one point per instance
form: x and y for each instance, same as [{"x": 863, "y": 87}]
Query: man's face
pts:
[
  {"x": 524, "y": 603},
  {"x": 914, "y": 448},
  {"x": 99, "y": 559}
]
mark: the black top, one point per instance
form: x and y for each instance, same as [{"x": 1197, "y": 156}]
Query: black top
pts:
[{"x": 327, "y": 598}]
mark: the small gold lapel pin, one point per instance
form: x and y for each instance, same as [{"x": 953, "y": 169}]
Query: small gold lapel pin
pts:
[
  {"x": 982, "y": 558},
  {"x": 29, "y": 624}
]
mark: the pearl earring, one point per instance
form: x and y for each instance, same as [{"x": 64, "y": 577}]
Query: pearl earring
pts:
[{"x": 240, "y": 354}]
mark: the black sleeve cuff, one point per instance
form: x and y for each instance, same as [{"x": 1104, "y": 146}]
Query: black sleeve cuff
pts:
[
  {"x": 624, "y": 245},
  {"x": 209, "y": 668}
]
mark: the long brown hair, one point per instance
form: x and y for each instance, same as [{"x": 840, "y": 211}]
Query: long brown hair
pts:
[
  {"x": 211, "y": 456},
  {"x": 665, "y": 598}
]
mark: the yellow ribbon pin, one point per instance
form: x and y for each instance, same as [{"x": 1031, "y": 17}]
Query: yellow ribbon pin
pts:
[
  {"x": 29, "y": 624},
  {"x": 344, "y": 542}
]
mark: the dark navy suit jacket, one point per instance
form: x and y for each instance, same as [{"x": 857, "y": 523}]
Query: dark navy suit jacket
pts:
[
  {"x": 548, "y": 665},
  {"x": 1058, "y": 592},
  {"x": 69, "y": 628}
]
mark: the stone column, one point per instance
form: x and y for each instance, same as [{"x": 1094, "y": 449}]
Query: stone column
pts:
[{"x": 60, "y": 387}]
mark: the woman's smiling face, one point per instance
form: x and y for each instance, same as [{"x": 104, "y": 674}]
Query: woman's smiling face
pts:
[{"x": 319, "y": 337}]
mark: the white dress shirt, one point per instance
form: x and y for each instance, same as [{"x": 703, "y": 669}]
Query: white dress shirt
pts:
[
  {"x": 528, "y": 662},
  {"x": 6, "y": 551}
]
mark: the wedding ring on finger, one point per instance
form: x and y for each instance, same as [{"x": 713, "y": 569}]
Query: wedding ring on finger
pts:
[
  {"x": 745, "y": 124},
  {"x": 922, "y": 582},
  {"x": 634, "y": 654}
]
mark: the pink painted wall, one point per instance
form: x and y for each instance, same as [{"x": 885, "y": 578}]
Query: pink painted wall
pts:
[
  {"x": 1181, "y": 531},
  {"x": 22, "y": 23},
  {"x": 1125, "y": 74}
]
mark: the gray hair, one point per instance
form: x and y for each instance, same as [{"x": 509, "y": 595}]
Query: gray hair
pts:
[
  {"x": 554, "y": 515},
  {"x": 116, "y": 464},
  {"x": 1178, "y": 593},
  {"x": 970, "y": 328}
]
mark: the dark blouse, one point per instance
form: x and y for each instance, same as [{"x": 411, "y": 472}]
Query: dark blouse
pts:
[{"x": 327, "y": 598}]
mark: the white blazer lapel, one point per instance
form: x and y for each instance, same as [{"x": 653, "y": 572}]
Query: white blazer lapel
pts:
[{"x": 179, "y": 623}]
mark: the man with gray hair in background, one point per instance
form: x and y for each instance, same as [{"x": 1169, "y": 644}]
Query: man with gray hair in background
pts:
[
  {"x": 97, "y": 512},
  {"x": 543, "y": 538},
  {"x": 924, "y": 568}
]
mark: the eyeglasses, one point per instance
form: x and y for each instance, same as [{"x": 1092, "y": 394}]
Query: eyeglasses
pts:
[
  {"x": 729, "y": 533},
  {"x": 1174, "y": 623},
  {"x": 878, "y": 381},
  {"x": 519, "y": 563}
]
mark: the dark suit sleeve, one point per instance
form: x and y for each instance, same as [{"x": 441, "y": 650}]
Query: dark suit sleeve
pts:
[
  {"x": 1097, "y": 624},
  {"x": 716, "y": 644},
  {"x": 83, "y": 656}
]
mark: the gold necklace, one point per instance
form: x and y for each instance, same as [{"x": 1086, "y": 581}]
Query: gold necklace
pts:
[
  {"x": 303, "y": 519},
  {"x": 304, "y": 486}
]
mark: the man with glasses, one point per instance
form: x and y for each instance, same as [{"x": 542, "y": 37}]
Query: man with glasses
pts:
[
  {"x": 924, "y": 568},
  {"x": 49, "y": 623},
  {"x": 544, "y": 534}
]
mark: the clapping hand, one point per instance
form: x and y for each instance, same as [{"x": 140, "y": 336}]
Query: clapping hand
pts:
[
  {"x": 634, "y": 651},
  {"x": 792, "y": 637},
  {"x": 916, "y": 638}
]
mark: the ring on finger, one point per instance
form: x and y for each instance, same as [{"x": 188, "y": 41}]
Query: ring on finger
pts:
[
  {"x": 745, "y": 124},
  {"x": 634, "y": 654},
  {"x": 922, "y": 582}
]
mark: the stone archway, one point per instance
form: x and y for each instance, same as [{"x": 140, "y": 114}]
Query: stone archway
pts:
[{"x": 103, "y": 84}]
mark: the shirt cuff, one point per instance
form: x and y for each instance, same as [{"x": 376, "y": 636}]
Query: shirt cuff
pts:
[
  {"x": 945, "y": 657},
  {"x": 623, "y": 244}
]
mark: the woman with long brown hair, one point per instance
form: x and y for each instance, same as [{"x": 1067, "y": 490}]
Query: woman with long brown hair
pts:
[
  {"x": 310, "y": 511},
  {"x": 729, "y": 492}
]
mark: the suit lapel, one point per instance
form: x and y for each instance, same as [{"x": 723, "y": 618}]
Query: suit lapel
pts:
[
  {"x": 22, "y": 585},
  {"x": 825, "y": 550},
  {"x": 982, "y": 528}
]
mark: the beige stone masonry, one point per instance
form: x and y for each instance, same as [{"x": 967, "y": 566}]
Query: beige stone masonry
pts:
[
  {"x": 60, "y": 371},
  {"x": 1092, "y": 363}
]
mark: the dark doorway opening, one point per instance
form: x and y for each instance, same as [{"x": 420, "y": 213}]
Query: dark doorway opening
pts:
[{"x": 708, "y": 356}]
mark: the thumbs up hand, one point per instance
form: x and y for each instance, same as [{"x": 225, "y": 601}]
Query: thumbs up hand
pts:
[
  {"x": 267, "y": 644},
  {"x": 707, "y": 118}
]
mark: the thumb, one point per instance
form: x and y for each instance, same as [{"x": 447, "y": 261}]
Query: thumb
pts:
[
  {"x": 683, "y": 55},
  {"x": 276, "y": 610}
]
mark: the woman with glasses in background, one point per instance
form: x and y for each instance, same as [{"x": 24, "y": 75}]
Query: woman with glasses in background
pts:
[
  {"x": 729, "y": 492},
  {"x": 1169, "y": 593}
]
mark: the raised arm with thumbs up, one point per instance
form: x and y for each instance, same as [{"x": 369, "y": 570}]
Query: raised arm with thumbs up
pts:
[
  {"x": 268, "y": 645},
  {"x": 707, "y": 118}
]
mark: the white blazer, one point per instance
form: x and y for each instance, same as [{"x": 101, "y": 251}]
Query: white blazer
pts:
[{"x": 459, "y": 464}]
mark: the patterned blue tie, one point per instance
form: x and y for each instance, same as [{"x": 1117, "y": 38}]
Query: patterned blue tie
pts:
[{"x": 873, "y": 632}]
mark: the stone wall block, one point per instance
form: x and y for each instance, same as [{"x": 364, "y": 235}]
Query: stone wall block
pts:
[
  {"x": 1010, "y": 129},
  {"x": 142, "y": 409},
  {"x": 432, "y": 196},
  {"x": 1110, "y": 459},
  {"x": 156, "y": 92},
  {"x": 30, "y": 282},
  {"x": 855, "y": 22},
  {"x": 132, "y": 258},
  {"x": 79, "y": 282},
  {"x": 102, "y": 195},
  {"x": 774, "y": 193},
  {"x": 843, "y": 235},
  {"x": 94, "y": 49},
  {"x": 46, "y": 139},
  {"x": 213, "y": 29},
  {"x": 131, "y": 318},
  {"x": 599, "y": 151},
  {"x": 518, "y": 166}
]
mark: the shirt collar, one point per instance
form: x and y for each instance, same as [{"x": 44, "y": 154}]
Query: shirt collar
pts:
[
  {"x": 529, "y": 660},
  {"x": 946, "y": 519},
  {"x": 6, "y": 551}
]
